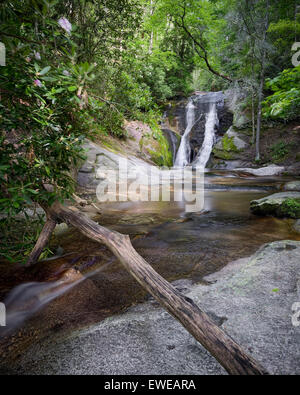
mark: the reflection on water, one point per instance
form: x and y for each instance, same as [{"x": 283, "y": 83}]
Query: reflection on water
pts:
[{"x": 177, "y": 244}]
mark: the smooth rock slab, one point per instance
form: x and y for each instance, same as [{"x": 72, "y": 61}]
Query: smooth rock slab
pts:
[
  {"x": 100, "y": 160},
  {"x": 292, "y": 186},
  {"x": 251, "y": 299},
  {"x": 273, "y": 170}
]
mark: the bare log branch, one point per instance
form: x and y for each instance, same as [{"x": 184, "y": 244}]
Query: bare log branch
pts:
[{"x": 41, "y": 242}]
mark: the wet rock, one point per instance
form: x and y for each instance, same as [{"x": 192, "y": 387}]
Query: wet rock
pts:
[
  {"x": 292, "y": 186},
  {"x": 175, "y": 116},
  {"x": 70, "y": 276},
  {"x": 173, "y": 140},
  {"x": 272, "y": 170},
  {"x": 230, "y": 146},
  {"x": 137, "y": 219},
  {"x": 297, "y": 226},
  {"x": 273, "y": 204},
  {"x": 100, "y": 160},
  {"x": 219, "y": 164},
  {"x": 294, "y": 169},
  {"x": 235, "y": 100},
  {"x": 251, "y": 299}
]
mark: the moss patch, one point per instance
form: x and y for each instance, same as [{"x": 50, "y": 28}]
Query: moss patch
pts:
[
  {"x": 225, "y": 155},
  {"x": 290, "y": 208},
  {"x": 228, "y": 144}
]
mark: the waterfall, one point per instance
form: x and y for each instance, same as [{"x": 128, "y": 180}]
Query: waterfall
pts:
[
  {"x": 184, "y": 150},
  {"x": 202, "y": 120},
  {"x": 209, "y": 137}
]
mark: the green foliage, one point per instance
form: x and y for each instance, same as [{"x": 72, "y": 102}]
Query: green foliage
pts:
[
  {"x": 162, "y": 156},
  {"x": 18, "y": 236},
  {"x": 44, "y": 116},
  {"x": 228, "y": 144},
  {"x": 225, "y": 155},
  {"x": 50, "y": 100},
  {"x": 290, "y": 208},
  {"x": 285, "y": 102},
  {"x": 279, "y": 151}
]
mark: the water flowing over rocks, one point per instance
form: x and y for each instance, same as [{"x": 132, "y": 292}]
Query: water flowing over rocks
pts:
[
  {"x": 190, "y": 118},
  {"x": 252, "y": 299}
]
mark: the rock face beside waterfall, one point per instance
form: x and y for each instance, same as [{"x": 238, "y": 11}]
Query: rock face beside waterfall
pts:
[
  {"x": 104, "y": 160},
  {"x": 235, "y": 100},
  {"x": 173, "y": 140},
  {"x": 230, "y": 146}
]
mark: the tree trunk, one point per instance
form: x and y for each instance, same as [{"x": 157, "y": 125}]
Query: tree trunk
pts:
[
  {"x": 262, "y": 83},
  {"x": 253, "y": 117},
  {"x": 259, "y": 108},
  {"x": 42, "y": 241},
  {"x": 229, "y": 354}
]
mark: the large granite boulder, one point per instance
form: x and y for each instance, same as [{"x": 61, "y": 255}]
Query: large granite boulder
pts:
[{"x": 230, "y": 146}]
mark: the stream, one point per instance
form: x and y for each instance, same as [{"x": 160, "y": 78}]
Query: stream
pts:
[{"x": 177, "y": 244}]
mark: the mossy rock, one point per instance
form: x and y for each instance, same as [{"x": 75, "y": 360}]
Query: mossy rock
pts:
[
  {"x": 282, "y": 205},
  {"x": 228, "y": 144},
  {"x": 290, "y": 208},
  {"x": 225, "y": 155}
]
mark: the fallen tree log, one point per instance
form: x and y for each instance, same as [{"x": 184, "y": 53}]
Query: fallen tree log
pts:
[{"x": 226, "y": 351}]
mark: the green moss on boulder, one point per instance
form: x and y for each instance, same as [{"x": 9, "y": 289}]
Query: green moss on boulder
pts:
[{"x": 286, "y": 204}]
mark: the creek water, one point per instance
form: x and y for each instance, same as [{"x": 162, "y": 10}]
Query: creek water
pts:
[{"x": 177, "y": 244}]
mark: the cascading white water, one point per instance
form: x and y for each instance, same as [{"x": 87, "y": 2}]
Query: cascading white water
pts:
[
  {"x": 200, "y": 105},
  {"x": 184, "y": 150},
  {"x": 209, "y": 137}
]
